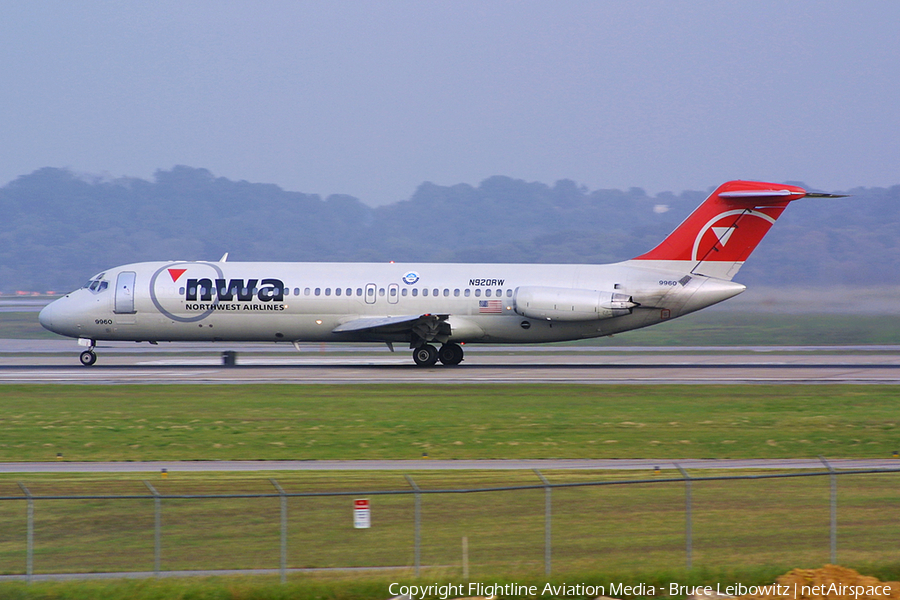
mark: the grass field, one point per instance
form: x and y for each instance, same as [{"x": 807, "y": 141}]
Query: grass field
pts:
[
  {"x": 711, "y": 328},
  {"x": 747, "y": 531},
  {"x": 638, "y": 527},
  {"x": 277, "y": 422},
  {"x": 340, "y": 587}
]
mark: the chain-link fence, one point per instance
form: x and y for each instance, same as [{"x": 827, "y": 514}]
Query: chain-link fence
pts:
[{"x": 550, "y": 523}]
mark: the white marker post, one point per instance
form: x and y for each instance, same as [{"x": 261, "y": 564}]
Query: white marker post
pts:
[{"x": 362, "y": 518}]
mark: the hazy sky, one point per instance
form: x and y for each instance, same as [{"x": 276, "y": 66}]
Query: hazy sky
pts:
[{"x": 373, "y": 98}]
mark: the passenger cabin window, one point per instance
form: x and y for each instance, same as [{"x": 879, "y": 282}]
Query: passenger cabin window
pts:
[
  {"x": 359, "y": 291},
  {"x": 456, "y": 292},
  {"x": 434, "y": 292},
  {"x": 509, "y": 293},
  {"x": 327, "y": 291},
  {"x": 337, "y": 291},
  {"x": 415, "y": 292},
  {"x": 487, "y": 293},
  {"x": 425, "y": 291},
  {"x": 468, "y": 293},
  {"x": 446, "y": 293},
  {"x": 318, "y": 291},
  {"x": 349, "y": 291},
  {"x": 306, "y": 291},
  {"x": 403, "y": 292},
  {"x": 478, "y": 293},
  {"x": 381, "y": 292}
]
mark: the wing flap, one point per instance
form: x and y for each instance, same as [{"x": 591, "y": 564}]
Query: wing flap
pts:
[{"x": 373, "y": 323}]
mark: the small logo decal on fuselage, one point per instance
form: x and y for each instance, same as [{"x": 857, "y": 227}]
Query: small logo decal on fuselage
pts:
[{"x": 411, "y": 278}]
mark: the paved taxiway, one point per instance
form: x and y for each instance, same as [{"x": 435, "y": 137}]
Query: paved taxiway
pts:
[{"x": 501, "y": 367}]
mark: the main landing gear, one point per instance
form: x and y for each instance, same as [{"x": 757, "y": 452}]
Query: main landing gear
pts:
[{"x": 427, "y": 355}]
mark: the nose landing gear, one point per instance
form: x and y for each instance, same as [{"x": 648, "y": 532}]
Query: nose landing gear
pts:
[{"x": 87, "y": 357}]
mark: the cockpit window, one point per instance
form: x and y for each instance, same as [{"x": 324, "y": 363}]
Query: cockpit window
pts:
[{"x": 97, "y": 285}]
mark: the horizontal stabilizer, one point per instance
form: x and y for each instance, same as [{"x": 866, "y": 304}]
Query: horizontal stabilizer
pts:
[
  {"x": 756, "y": 194},
  {"x": 821, "y": 195}
]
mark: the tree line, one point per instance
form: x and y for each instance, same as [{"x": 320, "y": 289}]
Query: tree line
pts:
[{"x": 59, "y": 228}]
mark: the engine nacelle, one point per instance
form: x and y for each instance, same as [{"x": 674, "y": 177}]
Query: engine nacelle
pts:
[{"x": 567, "y": 304}]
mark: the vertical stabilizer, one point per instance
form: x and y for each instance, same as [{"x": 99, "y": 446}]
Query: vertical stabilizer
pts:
[{"x": 720, "y": 234}]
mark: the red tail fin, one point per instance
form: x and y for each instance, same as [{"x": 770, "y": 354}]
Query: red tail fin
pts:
[{"x": 721, "y": 233}]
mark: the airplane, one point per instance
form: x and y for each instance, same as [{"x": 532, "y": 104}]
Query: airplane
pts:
[{"x": 428, "y": 304}]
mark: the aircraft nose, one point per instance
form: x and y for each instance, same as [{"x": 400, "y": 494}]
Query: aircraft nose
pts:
[
  {"x": 45, "y": 317},
  {"x": 56, "y": 317}
]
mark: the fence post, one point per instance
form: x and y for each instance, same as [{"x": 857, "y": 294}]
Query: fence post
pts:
[
  {"x": 29, "y": 544},
  {"x": 547, "y": 522},
  {"x": 418, "y": 536},
  {"x": 465, "y": 558},
  {"x": 283, "y": 562},
  {"x": 833, "y": 478},
  {"x": 688, "y": 517},
  {"x": 157, "y": 528}
]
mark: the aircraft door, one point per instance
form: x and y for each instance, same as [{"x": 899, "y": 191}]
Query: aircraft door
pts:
[
  {"x": 393, "y": 293},
  {"x": 125, "y": 293},
  {"x": 370, "y": 293}
]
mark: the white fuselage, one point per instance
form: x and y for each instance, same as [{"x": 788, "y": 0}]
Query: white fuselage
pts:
[
  {"x": 293, "y": 302},
  {"x": 423, "y": 304}
]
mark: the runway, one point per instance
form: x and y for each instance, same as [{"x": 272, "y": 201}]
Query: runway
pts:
[{"x": 494, "y": 365}]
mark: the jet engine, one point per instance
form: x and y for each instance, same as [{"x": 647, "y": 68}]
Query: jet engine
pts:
[{"x": 567, "y": 304}]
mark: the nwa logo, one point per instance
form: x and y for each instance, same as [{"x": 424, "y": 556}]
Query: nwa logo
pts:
[
  {"x": 202, "y": 290},
  {"x": 205, "y": 291}
]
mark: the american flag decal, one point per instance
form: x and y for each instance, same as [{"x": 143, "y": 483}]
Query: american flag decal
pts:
[{"x": 490, "y": 306}]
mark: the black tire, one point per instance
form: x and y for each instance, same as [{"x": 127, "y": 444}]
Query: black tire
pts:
[
  {"x": 88, "y": 358},
  {"x": 425, "y": 356},
  {"x": 451, "y": 354}
]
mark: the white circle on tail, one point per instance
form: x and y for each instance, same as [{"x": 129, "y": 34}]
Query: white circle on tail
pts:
[{"x": 723, "y": 234}]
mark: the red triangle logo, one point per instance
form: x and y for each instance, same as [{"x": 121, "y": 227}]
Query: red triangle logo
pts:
[{"x": 176, "y": 273}]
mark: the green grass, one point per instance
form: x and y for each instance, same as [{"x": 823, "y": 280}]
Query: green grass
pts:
[
  {"x": 764, "y": 329},
  {"x": 278, "y": 422},
  {"x": 739, "y": 526},
  {"x": 637, "y": 528},
  {"x": 712, "y": 328},
  {"x": 344, "y": 586},
  {"x": 23, "y": 325}
]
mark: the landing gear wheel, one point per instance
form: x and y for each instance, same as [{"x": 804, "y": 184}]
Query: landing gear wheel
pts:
[
  {"x": 450, "y": 354},
  {"x": 88, "y": 358},
  {"x": 425, "y": 356}
]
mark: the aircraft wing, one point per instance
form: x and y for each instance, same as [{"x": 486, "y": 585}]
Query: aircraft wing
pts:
[{"x": 391, "y": 324}]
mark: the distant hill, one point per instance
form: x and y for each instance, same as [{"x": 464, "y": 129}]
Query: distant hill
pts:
[{"x": 59, "y": 228}]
